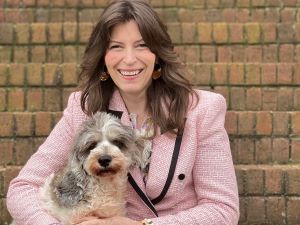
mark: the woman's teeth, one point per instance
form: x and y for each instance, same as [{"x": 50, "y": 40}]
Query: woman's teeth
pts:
[{"x": 129, "y": 73}]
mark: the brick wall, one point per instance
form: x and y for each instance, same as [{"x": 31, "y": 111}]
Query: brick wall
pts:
[{"x": 247, "y": 50}]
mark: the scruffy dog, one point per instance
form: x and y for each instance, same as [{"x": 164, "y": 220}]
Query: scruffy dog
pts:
[{"x": 94, "y": 181}]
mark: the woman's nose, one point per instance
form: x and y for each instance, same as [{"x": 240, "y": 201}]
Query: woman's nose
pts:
[{"x": 130, "y": 56}]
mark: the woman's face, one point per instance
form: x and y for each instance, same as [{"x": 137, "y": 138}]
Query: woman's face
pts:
[{"x": 129, "y": 61}]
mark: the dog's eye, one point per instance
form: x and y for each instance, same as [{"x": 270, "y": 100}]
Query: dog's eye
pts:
[
  {"x": 91, "y": 146},
  {"x": 119, "y": 144}
]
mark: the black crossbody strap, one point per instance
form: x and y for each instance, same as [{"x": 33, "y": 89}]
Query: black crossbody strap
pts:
[
  {"x": 141, "y": 194},
  {"x": 171, "y": 170}
]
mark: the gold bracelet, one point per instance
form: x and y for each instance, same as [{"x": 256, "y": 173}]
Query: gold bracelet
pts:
[{"x": 147, "y": 222}]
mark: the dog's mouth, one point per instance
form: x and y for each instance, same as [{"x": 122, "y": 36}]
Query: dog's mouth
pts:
[{"x": 103, "y": 172}]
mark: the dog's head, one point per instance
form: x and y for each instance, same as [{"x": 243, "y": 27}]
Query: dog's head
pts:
[{"x": 105, "y": 147}]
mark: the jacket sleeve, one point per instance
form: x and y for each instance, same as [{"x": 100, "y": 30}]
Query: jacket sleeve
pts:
[
  {"x": 23, "y": 193},
  {"x": 213, "y": 174}
]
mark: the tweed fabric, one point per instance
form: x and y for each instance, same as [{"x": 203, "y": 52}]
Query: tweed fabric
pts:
[{"x": 207, "y": 195}]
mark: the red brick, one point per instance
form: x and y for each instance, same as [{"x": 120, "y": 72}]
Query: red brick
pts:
[
  {"x": 16, "y": 99},
  {"x": 254, "y": 54},
  {"x": 38, "y": 33},
  {"x": 286, "y": 32},
  {"x": 8, "y": 175},
  {"x": 270, "y": 53},
  {"x": 22, "y": 33},
  {"x": 38, "y": 54},
  {"x": 12, "y": 16},
  {"x": 268, "y": 73},
  {"x": 57, "y": 3},
  {"x": 293, "y": 177},
  {"x": 28, "y": 3},
  {"x": 219, "y": 74},
  {"x": 192, "y": 54},
  {"x": 228, "y": 14},
  {"x": 17, "y": 74},
  {"x": 270, "y": 100},
  {"x": 43, "y": 123},
  {"x": 65, "y": 95},
  {"x": 297, "y": 99},
  {"x": 199, "y": 15},
  {"x": 288, "y": 15},
  {"x": 34, "y": 74},
  {"x": 188, "y": 32},
  {"x": 52, "y": 76},
  {"x": 297, "y": 31},
  {"x": 71, "y": 35},
  {"x": 202, "y": 75},
  {"x": 5, "y": 54},
  {"x": 6, "y": 151},
  {"x": 272, "y": 15},
  {"x": 231, "y": 122},
  {"x": 85, "y": 30},
  {"x": 269, "y": 32},
  {"x": 223, "y": 90},
  {"x": 173, "y": 30},
  {"x": 296, "y": 78},
  {"x": 280, "y": 123},
  {"x": 252, "y": 74},
  {"x": 273, "y": 181},
  {"x": 254, "y": 181},
  {"x": 70, "y": 75},
  {"x": 275, "y": 207},
  {"x": 56, "y": 15},
  {"x": 295, "y": 120},
  {"x": 34, "y": 99},
  {"x": 273, "y": 2},
  {"x": 253, "y": 33},
  {"x": 295, "y": 150},
  {"x": 280, "y": 153},
  {"x": 242, "y": 15},
  {"x": 220, "y": 32},
  {"x": 236, "y": 73},
  {"x": 237, "y": 98},
  {"x": 42, "y": 15},
  {"x": 293, "y": 206},
  {"x": 256, "y": 210},
  {"x": 243, "y": 210},
  {"x": 240, "y": 175},
  {"x": 208, "y": 54},
  {"x": 102, "y": 3},
  {"x": 3, "y": 74},
  {"x": 69, "y": 54},
  {"x": 21, "y": 54},
  {"x": 246, "y": 123},
  {"x": 24, "y": 124},
  {"x": 204, "y": 32},
  {"x": 43, "y": 3},
  {"x": 258, "y": 15},
  {"x": 52, "y": 100},
  {"x": 3, "y": 103},
  {"x": 263, "y": 123},
  {"x": 54, "y": 54},
  {"x": 263, "y": 150},
  {"x": 236, "y": 33},
  {"x": 286, "y": 53},
  {"x": 245, "y": 149},
  {"x": 291, "y": 3},
  {"x": 55, "y": 33},
  {"x": 254, "y": 98},
  {"x": 23, "y": 150},
  {"x": 243, "y": 3},
  {"x": 224, "y": 54},
  {"x": 27, "y": 15},
  {"x": 56, "y": 117},
  {"x": 285, "y": 73},
  {"x": 285, "y": 99},
  {"x": 70, "y": 15},
  {"x": 6, "y": 30}
]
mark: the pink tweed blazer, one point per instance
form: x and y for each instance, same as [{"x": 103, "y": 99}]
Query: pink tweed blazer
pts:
[{"x": 202, "y": 191}]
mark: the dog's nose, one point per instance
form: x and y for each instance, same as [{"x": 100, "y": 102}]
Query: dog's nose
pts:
[{"x": 105, "y": 160}]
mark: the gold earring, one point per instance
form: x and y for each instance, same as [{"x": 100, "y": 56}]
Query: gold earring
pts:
[
  {"x": 104, "y": 76},
  {"x": 157, "y": 72}
]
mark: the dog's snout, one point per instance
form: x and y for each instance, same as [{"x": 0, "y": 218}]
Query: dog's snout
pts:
[{"x": 105, "y": 160}]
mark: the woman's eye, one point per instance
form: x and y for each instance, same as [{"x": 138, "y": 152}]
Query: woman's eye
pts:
[
  {"x": 142, "y": 45},
  {"x": 114, "y": 46}
]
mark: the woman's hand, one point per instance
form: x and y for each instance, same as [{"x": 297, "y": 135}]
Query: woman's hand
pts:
[{"x": 91, "y": 220}]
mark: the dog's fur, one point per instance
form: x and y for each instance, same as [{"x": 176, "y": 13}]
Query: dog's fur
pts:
[{"x": 94, "y": 180}]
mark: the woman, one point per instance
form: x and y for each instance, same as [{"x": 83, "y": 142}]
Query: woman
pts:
[{"x": 130, "y": 69}]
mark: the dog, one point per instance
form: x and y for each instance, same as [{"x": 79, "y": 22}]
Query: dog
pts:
[{"x": 94, "y": 181}]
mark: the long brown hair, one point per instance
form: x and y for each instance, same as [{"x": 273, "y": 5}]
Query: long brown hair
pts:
[{"x": 168, "y": 96}]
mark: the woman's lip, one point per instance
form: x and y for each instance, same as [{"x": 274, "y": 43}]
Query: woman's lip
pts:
[{"x": 130, "y": 72}]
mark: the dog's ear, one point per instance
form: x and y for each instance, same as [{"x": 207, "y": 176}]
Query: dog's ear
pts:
[{"x": 70, "y": 188}]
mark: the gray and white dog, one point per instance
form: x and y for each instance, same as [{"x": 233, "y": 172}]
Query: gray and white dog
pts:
[{"x": 94, "y": 181}]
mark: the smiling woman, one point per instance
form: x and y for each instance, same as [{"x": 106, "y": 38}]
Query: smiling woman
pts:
[{"x": 130, "y": 69}]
